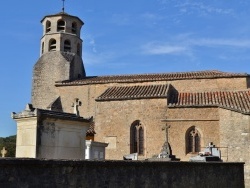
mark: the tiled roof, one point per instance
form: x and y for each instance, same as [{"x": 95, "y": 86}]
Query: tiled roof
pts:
[
  {"x": 232, "y": 100},
  {"x": 91, "y": 130},
  {"x": 134, "y": 92},
  {"x": 152, "y": 77}
]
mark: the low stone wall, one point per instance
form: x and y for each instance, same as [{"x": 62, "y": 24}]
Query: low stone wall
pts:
[{"x": 113, "y": 174}]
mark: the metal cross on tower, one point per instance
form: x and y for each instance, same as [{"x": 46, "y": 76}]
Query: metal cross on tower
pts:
[{"x": 63, "y": 5}]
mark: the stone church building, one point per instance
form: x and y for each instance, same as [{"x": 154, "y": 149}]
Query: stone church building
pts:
[{"x": 130, "y": 112}]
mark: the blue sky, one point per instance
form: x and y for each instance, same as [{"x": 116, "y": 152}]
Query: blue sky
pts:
[{"x": 124, "y": 37}]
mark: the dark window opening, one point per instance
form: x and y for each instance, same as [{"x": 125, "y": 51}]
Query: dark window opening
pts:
[
  {"x": 141, "y": 140},
  {"x": 193, "y": 141},
  {"x": 42, "y": 47},
  {"x": 52, "y": 45},
  {"x": 74, "y": 28},
  {"x": 78, "y": 50},
  {"x": 67, "y": 46},
  {"x": 61, "y": 25},
  {"x": 48, "y": 26},
  {"x": 137, "y": 138}
]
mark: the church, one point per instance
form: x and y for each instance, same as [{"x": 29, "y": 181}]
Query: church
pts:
[{"x": 135, "y": 113}]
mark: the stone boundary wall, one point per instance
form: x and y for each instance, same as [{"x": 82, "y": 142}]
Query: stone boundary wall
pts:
[{"x": 112, "y": 174}]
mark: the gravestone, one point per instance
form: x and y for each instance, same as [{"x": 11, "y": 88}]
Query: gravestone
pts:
[
  {"x": 4, "y": 152},
  {"x": 210, "y": 153},
  {"x": 132, "y": 156},
  {"x": 166, "y": 153}
]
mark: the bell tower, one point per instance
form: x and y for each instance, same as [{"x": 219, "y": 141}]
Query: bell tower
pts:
[
  {"x": 61, "y": 32},
  {"x": 60, "y": 57}
]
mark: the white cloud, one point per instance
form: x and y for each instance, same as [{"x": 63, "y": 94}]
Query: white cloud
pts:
[
  {"x": 192, "y": 7},
  {"x": 202, "y": 8},
  {"x": 93, "y": 45},
  {"x": 185, "y": 45},
  {"x": 90, "y": 40},
  {"x": 237, "y": 43},
  {"x": 157, "y": 49}
]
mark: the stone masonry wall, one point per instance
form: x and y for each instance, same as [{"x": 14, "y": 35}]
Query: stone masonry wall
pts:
[
  {"x": 103, "y": 111},
  {"x": 25, "y": 173},
  {"x": 248, "y": 82},
  {"x": 195, "y": 85},
  {"x": 114, "y": 120},
  {"x": 52, "y": 67},
  {"x": 235, "y": 134},
  {"x": 85, "y": 93},
  {"x": 206, "y": 120},
  {"x": 88, "y": 93}
]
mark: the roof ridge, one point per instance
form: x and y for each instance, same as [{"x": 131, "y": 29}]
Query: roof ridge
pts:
[
  {"x": 224, "y": 90},
  {"x": 144, "y": 77},
  {"x": 228, "y": 99},
  {"x": 168, "y": 73}
]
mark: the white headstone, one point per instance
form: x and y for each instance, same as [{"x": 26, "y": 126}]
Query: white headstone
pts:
[{"x": 3, "y": 152}]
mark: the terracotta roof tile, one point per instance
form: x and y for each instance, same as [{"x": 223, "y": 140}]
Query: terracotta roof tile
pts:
[
  {"x": 134, "y": 92},
  {"x": 91, "y": 130},
  {"x": 152, "y": 77},
  {"x": 233, "y": 100}
]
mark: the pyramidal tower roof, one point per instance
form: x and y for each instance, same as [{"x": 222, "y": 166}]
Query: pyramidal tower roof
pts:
[{"x": 63, "y": 14}]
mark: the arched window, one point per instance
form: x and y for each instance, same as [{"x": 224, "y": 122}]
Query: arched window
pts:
[
  {"x": 48, "y": 26},
  {"x": 74, "y": 27},
  {"x": 141, "y": 141},
  {"x": 52, "y": 45},
  {"x": 67, "y": 46},
  {"x": 137, "y": 138},
  {"x": 193, "y": 140},
  {"x": 78, "y": 49},
  {"x": 61, "y": 25},
  {"x": 42, "y": 47}
]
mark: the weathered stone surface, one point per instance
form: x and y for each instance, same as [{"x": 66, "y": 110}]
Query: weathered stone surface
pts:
[
  {"x": 113, "y": 118},
  {"x": 52, "y": 67},
  {"x": 23, "y": 173},
  {"x": 50, "y": 134},
  {"x": 235, "y": 135}
]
